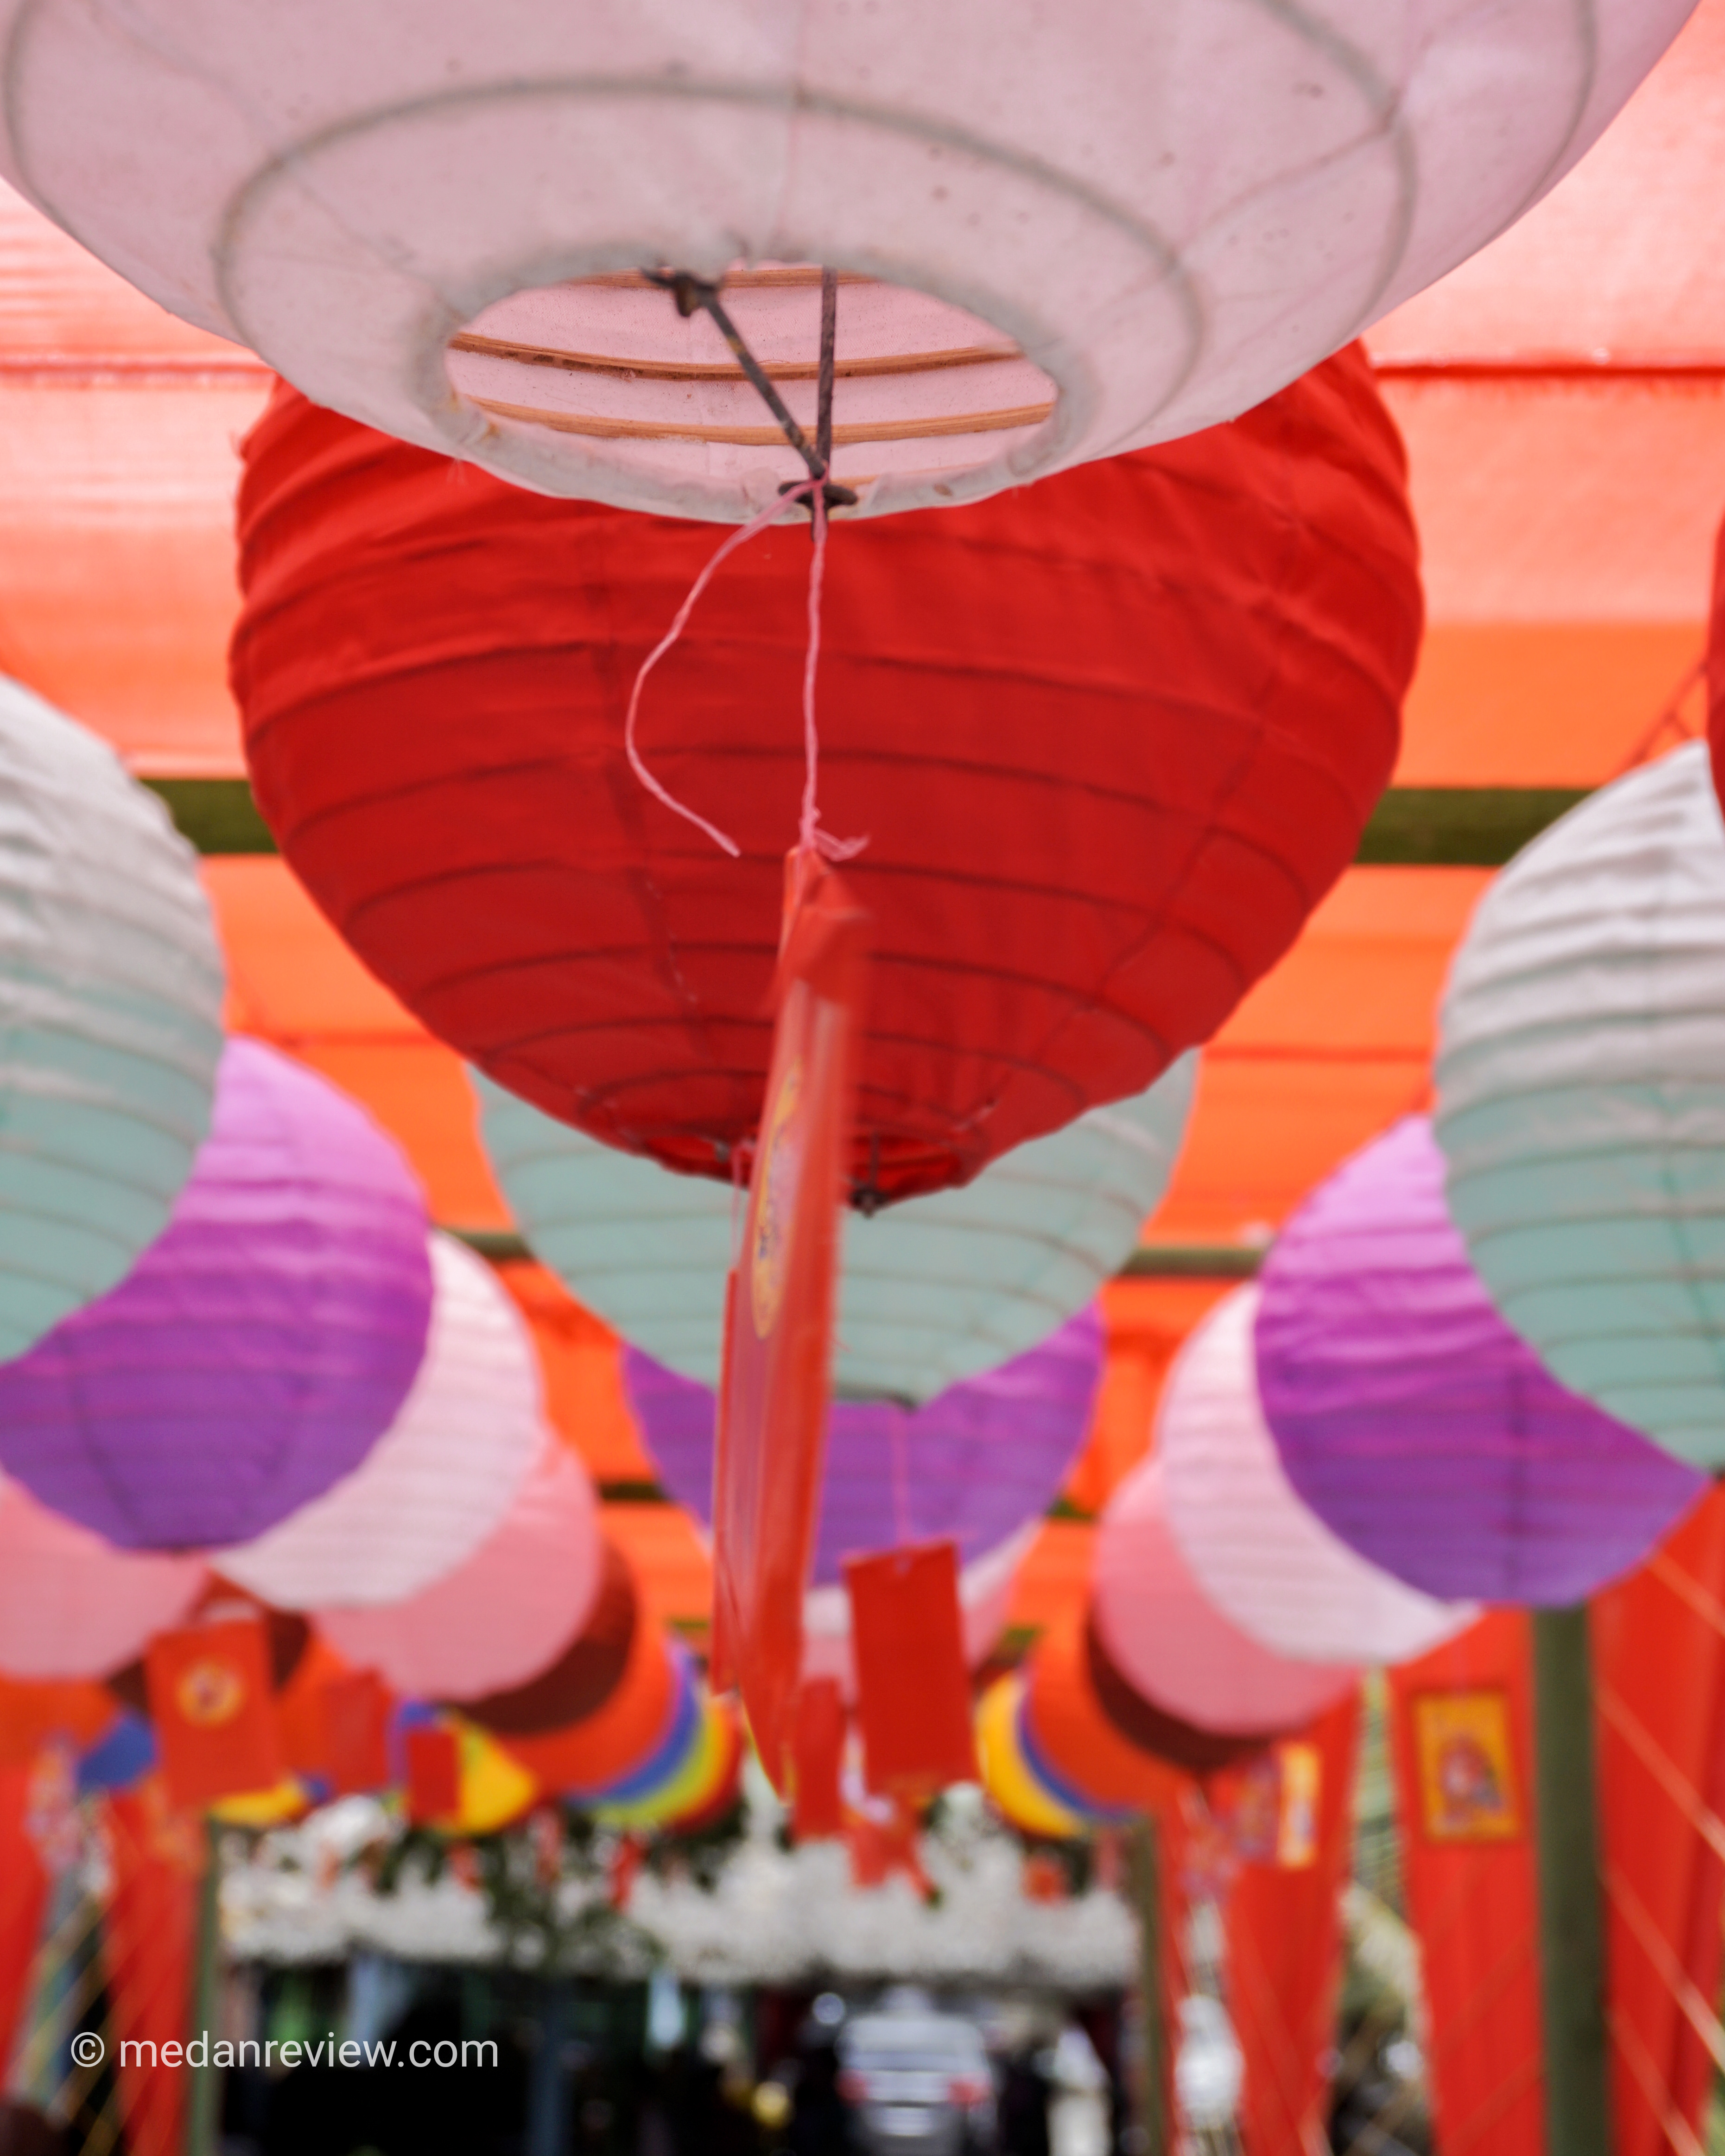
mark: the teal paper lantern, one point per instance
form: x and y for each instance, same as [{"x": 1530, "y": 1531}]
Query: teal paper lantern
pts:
[
  {"x": 111, "y": 1018},
  {"x": 935, "y": 1289}
]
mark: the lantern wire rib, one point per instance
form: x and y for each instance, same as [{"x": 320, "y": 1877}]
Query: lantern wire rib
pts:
[{"x": 821, "y": 493}]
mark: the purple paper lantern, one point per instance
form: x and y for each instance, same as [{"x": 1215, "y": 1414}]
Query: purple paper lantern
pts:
[
  {"x": 1417, "y": 1426},
  {"x": 261, "y": 1345},
  {"x": 974, "y": 1463}
]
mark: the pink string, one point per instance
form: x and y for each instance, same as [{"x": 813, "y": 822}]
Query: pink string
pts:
[{"x": 810, "y": 838}]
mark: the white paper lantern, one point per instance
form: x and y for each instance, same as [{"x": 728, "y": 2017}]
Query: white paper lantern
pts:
[
  {"x": 1262, "y": 1556},
  {"x": 505, "y": 1613},
  {"x": 110, "y": 1015},
  {"x": 437, "y": 1482},
  {"x": 72, "y": 1605},
  {"x": 1581, "y": 1101},
  {"x": 934, "y": 1289},
  {"x": 1093, "y": 226}
]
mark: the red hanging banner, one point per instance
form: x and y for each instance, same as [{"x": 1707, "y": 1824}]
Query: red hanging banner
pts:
[
  {"x": 1284, "y": 1932},
  {"x": 1461, "y": 1747},
  {"x": 912, "y": 1683},
  {"x": 778, "y": 1327},
  {"x": 356, "y": 1733},
  {"x": 1658, "y": 1641},
  {"x": 151, "y": 1934},
  {"x": 23, "y": 1891},
  {"x": 817, "y": 1762},
  {"x": 434, "y": 1762},
  {"x": 210, "y": 1702}
]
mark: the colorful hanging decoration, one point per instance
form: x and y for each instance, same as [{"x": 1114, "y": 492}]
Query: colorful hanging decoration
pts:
[
  {"x": 1461, "y": 1747},
  {"x": 440, "y": 1479},
  {"x": 445, "y": 231},
  {"x": 935, "y": 1289},
  {"x": 1090, "y": 826},
  {"x": 505, "y": 1613},
  {"x": 1417, "y": 1426},
  {"x": 1174, "y": 1646},
  {"x": 111, "y": 1002},
  {"x": 71, "y": 1605},
  {"x": 975, "y": 1463},
  {"x": 780, "y": 1305},
  {"x": 210, "y": 1711},
  {"x": 1581, "y": 1101},
  {"x": 1007, "y": 1774},
  {"x": 260, "y": 1346},
  {"x": 912, "y": 1684},
  {"x": 1264, "y": 1560}
]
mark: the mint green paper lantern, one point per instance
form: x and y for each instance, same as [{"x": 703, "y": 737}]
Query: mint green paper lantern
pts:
[
  {"x": 111, "y": 1018},
  {"x": 935, "y": 1289}
]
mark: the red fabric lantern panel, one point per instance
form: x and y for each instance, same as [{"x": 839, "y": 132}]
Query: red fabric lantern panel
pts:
[
  {"x": 817, "y": 1762},
  {"x": 1110, "y": 739},
  {"x": 211, "y": 1708},
  {"x": 151, "y": 1922},
  {"x": 24, "y": 1893}
]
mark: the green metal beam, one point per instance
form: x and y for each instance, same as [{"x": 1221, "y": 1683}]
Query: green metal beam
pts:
[
  {"x": 1411, "y": 827},
  {"x": 1572, "y": 1950}
]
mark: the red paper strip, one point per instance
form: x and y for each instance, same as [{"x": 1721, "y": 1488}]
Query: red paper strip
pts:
[
  {"x": 211, "y": 1703},
  {"x": 818, "y": 1759},
  {"x": 434, "y": 1757},
  {"x": 912, "y": 1683},
  {"x": 356, "y": 1733},
  {"x": 779, "y": 1330},
  {"x": 24, "y": 1894}
]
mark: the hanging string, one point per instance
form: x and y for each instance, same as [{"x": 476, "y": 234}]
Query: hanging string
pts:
[{"x": 817, "y": 490}]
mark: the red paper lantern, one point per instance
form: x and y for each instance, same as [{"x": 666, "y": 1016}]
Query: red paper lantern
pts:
[{"x": 1110, "y": 738}]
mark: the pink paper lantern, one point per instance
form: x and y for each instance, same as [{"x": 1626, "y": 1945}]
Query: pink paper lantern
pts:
[
  {"x": 504, "y": 1615},
  {"x": 72, "y": 1605},
  {"x": 1259, "y": 1552},
  {"x": 1172, "y": 1644}
]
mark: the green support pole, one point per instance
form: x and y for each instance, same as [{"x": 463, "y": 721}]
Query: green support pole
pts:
[
  {"x": 1147, "y": 1893},
  {"x": 1572, "y": 1952},
  {"x": 203, "y": 2115}
]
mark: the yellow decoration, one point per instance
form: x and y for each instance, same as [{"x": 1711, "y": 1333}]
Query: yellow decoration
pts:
[
  {"x": 1007, "y": 1774},
  {"x": 1467, "y": 1783},
  {"x": 262, "y": 1808}
]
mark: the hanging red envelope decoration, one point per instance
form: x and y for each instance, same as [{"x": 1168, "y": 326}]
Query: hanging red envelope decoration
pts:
[
  {"x": 779, "y": 1330},
  {"x": 356, "y": 1726},
  {"x": 912, "y": 1682},
  {"x": 211, "y": 1703},
  {"x": 433, "y": 1764},
  {"x": 817, "y": 1762}
]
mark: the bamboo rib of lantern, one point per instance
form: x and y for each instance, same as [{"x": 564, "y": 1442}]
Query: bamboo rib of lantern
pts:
[{"x": 694, "y": 374}]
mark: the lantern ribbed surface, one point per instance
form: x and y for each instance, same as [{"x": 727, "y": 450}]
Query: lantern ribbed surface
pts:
[
  {"x": 259, "y": 1347},
  {"x": 1581, "y": 1101},
  {"x": 1067, "y": 232},
  {"x": 1263, "y": 1557},
  {"x": 1419, "y": 1428},
  {"x": 111, "y": 1015},
  {"x": 975, "y": 1463},
  {"x": 1172, "y": 1644},
  {"x": 505, "y": 1613},
  {"x": 440, "y": 1478},
  {"x": 1110, "y": 740},
  {"x": 72, "y": 1605},
  {"x": 933, "y": 1290}
]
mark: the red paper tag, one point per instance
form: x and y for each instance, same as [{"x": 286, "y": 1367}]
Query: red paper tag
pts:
[
  {"x": 912, "y": 1685},
  {"x": 433, "y": 1759},
  {"x": 210, "y": 1702},
  {"x": 778, "y": 1332},
  {"x": 356, "y": 1733},
  {"x": 818, "y": 1759}
]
